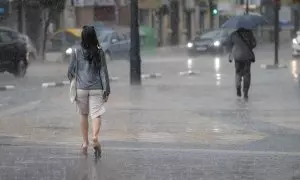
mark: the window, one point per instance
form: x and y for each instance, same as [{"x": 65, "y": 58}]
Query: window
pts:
[
  {"x": 115, "y": 36},
  {"x": 58, "y": 36},
  {"x": 210, "y": 34},
  {"x": 103, "y": 36},
  {"x": 6, "y": 36},
  {"x": 122, "y": 37},
  {"x": 71, "y": 39}
]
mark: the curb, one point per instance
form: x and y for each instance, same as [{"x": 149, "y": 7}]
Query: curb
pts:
[
  {"x": 272, "y": 66},
  {"x": 114, "y": 78},
  {"x": 7, "y": 87},
  {"x": 55, "y": 84},
  {"x": 151, "y": 76},
  {"x": 188, "y": 73}
]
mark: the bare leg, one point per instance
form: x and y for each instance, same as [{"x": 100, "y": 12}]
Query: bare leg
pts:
[
  {"x": 84, "y": 124},
  {"x": 96, "y": 128}
]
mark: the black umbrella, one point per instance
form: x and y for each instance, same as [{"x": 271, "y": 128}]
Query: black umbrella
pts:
[{"x": 247, "y": 21}]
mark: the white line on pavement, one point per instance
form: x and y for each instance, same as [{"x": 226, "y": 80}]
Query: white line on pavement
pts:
[
  {"x": 114, "y": 78},
  {"x": 7, "y": 87},
  {"x": 151, "y": 75},
  {"x": 50, "y": 84},
  {"x": 271, "y": 66},
  {"x": 185, "y": 73},
  {"x": 66, "y": 82},
  {"x": 10, "y": 87}
]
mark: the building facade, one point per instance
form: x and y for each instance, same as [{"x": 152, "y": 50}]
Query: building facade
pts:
[{"x": 109, "y": 11}]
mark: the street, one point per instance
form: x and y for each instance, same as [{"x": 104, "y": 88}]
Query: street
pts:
[{"x": 185, "y": 122}]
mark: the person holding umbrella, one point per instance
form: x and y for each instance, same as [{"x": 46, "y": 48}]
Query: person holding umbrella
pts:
[{"x": 242, "y": 43}]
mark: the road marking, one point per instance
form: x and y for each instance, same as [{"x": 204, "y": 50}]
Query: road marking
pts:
[
  {"x": 49, "y": 84},
  {"x": 114, "y": 78},
  {"x": 7, "y": 87},
  {"x": 151, "y": 76},
  {"x": 271, "y": 66},
  {"x": 188, "y": 73}
]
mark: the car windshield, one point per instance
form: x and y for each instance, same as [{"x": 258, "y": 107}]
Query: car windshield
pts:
[
  {"x": 103, "y": 36},
  {"x": 211, "y": 34}
]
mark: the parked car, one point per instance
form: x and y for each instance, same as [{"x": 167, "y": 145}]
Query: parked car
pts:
[
  {"x": 116, "y": 44},
  {"x": 13, "y": 54},
  {"x": 214, "y": 41},
  {"x": 296, "y": 45}
]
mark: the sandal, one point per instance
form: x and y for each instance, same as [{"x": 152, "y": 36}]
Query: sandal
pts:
[
  {"x": 84, "y": 149},
  {"x": 97, "y": 149}
]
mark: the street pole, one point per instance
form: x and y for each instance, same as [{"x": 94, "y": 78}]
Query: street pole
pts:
[
  {"x": 276, "y": 31},
  {"x": 211, "y": 17},
  {"x": 247, "y": 6},
  {"x": 135, "y": 58}
]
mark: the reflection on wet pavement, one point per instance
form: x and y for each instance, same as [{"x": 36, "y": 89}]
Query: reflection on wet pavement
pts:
[
  {"x": 294, "y": 68},
  {"x": 174, "y": 127}
]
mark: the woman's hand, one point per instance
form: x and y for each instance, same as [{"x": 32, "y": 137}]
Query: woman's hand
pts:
[{"x": 105, "y": 96}]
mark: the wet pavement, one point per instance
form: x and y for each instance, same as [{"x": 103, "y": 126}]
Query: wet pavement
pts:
[{"x": 177, "y": 126}]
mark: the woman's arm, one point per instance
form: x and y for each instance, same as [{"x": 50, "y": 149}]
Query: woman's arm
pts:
[
  {"x": 104, "y": 74},
  {"x": 72, "y": 65}
]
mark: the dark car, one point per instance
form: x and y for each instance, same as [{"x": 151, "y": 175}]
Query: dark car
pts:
[
  {"x": 214, "y": 42},
  {"x": 13, "y": 53}
]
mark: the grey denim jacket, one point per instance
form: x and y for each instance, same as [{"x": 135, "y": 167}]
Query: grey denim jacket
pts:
[{"x": 88, "y": 76}]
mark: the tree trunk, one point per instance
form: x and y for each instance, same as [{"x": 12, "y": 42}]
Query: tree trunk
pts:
[
  {"x": 34, "y": 25},
  {"x": 211, "y": 17},
  {"x": 117, "y": 12},
  {"x": 45, "y": 33}
]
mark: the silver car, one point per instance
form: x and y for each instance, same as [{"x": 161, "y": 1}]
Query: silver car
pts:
[
  {"x": 116, "y": 45},
  {"x": 32, "y": 52}
]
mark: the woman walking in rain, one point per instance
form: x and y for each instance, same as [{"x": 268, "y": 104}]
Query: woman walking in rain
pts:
[
  {"x": 242, "y": 43},
  {"x": 88, "y": 68}
]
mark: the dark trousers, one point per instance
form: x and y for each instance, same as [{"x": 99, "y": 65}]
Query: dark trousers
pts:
[{"x": 243, "y": 72}]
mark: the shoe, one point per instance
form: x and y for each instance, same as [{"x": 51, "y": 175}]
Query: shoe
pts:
[
  {"x": 238, "y": 92},
  {"x": 97, "y": 149}
]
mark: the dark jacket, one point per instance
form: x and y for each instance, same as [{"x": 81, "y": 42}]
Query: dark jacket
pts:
[
  {"x": 89, "y": 75},
  {"x": 242, "y": 43}
]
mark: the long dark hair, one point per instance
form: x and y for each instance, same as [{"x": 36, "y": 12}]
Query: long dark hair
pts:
[{"x": 90, "y": 43}]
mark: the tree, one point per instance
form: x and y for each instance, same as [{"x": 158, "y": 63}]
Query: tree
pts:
[
  {"x": 52, "y": 8},
  {"x": 48, "y": 10}
]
